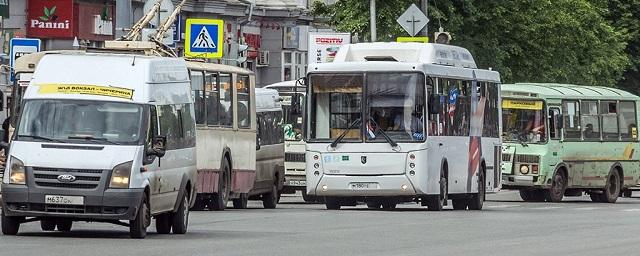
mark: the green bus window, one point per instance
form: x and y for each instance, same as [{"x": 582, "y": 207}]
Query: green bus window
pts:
[
  {"x": 609, "y": 116},
  {"x": 571, "y": 113},
  {"x": 589, "y": 120},
  {"x": 628, "y": 121},
  {"x": 554, "y": 128}
]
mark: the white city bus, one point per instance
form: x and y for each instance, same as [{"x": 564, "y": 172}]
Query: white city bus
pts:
[
  {"x": 293, "y": 95},
  {"x": 225, "y": 111},
  {"x": 399, "y": 122}
]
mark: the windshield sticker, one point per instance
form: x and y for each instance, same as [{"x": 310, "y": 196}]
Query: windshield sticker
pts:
[
  {"x": 522, "y": 104},
  {"x": 86, "y": 89}
]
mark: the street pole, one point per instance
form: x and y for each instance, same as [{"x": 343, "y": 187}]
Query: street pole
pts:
[
  {"x": 372, "y": 12},
  {"x": 423, "y": 7}
]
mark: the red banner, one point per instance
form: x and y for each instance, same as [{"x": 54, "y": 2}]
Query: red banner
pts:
[
  {"x": 50, "y": 19},
  {"x": 95, "y": 21}
]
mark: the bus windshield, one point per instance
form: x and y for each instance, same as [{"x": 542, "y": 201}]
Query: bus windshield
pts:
[
  {"x": 523, "y": 121},
  {"x": 393, "y": 113},
  {"x": 81, "y": 121}
]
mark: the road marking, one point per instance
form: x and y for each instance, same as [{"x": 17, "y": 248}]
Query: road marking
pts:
[
  {"x": 547, "y": 208},
  {"x": 504, "y": 206},
  {"x": 632, "y": 210},
  {"x": 588, "y": 208}
]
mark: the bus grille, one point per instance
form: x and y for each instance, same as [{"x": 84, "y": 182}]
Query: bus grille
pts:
[
  {"x": 528, "y": 159},
  {"x": 294, "y": 157},
  {"x": 506, "y": 157},
  {"x": 85, "y": 178}
]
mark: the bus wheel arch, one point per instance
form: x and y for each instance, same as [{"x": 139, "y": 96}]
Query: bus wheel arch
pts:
[{"x": 560, "y": 177}]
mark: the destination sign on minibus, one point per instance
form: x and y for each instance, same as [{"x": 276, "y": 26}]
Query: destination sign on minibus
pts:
[
  {"x": 522, "y": 104},
  {"x": 117, "y": 92}
]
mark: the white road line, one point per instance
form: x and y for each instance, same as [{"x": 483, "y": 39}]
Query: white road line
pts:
[
  {"x": 547, "y": 208},
  {"x": 588, "y": 208},
  {"x": 632, "y": 210},
  {"x": 504, "y": 206}
]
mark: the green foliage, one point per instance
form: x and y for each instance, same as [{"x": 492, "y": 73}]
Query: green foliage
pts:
[{"x": 565, "y": 41}]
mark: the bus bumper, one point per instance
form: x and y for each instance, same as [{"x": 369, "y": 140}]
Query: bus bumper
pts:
[
  {"x": 110, "y": 204},
  {"x": 519, "y": 181},
  {"x": 388, "y": 185}
]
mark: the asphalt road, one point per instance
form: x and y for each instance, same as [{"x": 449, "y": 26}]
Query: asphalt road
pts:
[{"x": 507, "y": 226}]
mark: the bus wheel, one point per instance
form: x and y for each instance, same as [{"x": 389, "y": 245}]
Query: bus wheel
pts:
[
  {"x": 374, "y": 205},
  {"x": 436, "y": 202},
  {"x": 47, "y": 225},
  {"x": 220, "y": 199},
  {"x": 389, "y": 205},
  {"x": 241, "y": 202},
  {"x": 307, "y": 198},
  {"x": 612, "y": 188},
  {"x": 627, "y": 193},
  {"x": 459, "y": 204},
  {"x": 270, "y": 200},
  {"x": 477, "y": 200},
  {"x": 163, "y": 223},
  {"x": 138, "y": 226},
  {"x": 526, "y": 195},
  {"x": 10, "y": 225},
  {"x": 64, "y": 225},
  {"x": 558, "y": 186},
  {"x": 332, "y": 203}
]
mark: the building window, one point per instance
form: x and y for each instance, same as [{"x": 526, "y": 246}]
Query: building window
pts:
[{"x": 294, "y": 65}]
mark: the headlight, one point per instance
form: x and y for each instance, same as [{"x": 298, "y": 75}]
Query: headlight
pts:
[
  {"x": 524, "y": 169},
  {"x": 17, "y": 174},
  {"x": 120, "y": 175}
]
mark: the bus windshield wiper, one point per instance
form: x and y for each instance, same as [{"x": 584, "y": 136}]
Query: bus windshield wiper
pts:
[
  {"x": 344, "y": 133},
  {"x": 38, "y": 137},
  {"x": 384, "y": 134},
  {"x": 91, "y": 138}
]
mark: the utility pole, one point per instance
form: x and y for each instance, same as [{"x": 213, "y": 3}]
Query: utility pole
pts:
[
  {"x": 372, "y": 12},
  {"x": 423, "y": 7}
]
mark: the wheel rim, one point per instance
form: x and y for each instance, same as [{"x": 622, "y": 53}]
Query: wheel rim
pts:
[{"x": 558, "y": 183}]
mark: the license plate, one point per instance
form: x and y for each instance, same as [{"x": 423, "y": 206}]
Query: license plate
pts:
[
  {"x": 71, "y": 200},
  {"x": 364, "y": 185}
]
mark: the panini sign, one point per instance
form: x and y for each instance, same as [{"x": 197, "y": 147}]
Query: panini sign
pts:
[{"x": 50, "y": 19}]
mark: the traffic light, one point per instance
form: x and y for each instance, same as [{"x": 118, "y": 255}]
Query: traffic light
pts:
[{"x": 442, "y": 37}]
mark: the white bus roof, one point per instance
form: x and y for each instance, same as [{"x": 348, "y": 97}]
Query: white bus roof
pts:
[
  {"x": 406, "y": 52},
  {"x": 564, "y": 91},
  {"x": 29, "y": 62},
  {"x": 267, "y": 100},
  {"x": 135, "y": 73},
  {"x": 286, "y": 86}
]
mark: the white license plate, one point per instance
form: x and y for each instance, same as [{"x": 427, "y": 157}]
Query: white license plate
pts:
[
  {"x": 71, "y": 200},
  {"x": 364, "y": 185}
]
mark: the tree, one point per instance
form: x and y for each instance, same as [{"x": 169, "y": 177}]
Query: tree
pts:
[
  {"x": 566, "y": 41},
  {"x": 624, "y": 16}
]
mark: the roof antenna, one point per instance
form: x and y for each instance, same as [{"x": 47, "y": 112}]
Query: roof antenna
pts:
[{"x": 134, "y": 61}]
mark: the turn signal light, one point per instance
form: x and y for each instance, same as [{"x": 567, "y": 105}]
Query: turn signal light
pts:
[{"x": 534, "y": 169}]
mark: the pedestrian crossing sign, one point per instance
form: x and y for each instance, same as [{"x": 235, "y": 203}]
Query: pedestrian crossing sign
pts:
[{"x": 204, "y": 38}]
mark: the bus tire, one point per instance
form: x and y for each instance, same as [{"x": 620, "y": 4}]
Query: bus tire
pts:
[
  {"x": 627, "y": 193},
  {"x": 307, "y": 198},
  {"x": 437, "y": 202},
  {"x": 374, "y": 205},
  {"x": 163, "y": 223},
  {"x": 612, "y": 188},
  {"x": 180, "y": 218},
  {"x": 459, "y": 204},
  {"x": 332, "y": 203},
  {"x": 388, "y": 205},
  {"x": 220, "y": 199},
  {"x": 558, "y": 187},
  {"x": 241, "y": 202},
  {"x": 138, "y": 226},
  {"x": 64, "y": 225},
  {"x": 10, "y": 225},
  {"x": 476, "y": 202},
  {"x": 270, "y": 200},
  {"x": 47, "y": 225}
]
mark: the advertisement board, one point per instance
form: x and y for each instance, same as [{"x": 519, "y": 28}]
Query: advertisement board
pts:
[
  {"x": 50, "y": 19},
  {"x": 324, "y": 46}
]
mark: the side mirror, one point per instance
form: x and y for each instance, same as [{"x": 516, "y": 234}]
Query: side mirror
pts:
[
  {"x": 434, "y": 104},
  {"x": 158, "y": 147},
  {"x": 4, "y": 146}
]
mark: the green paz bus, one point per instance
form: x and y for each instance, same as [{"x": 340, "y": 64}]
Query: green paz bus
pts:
[{"x": 566, "y": 140}]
